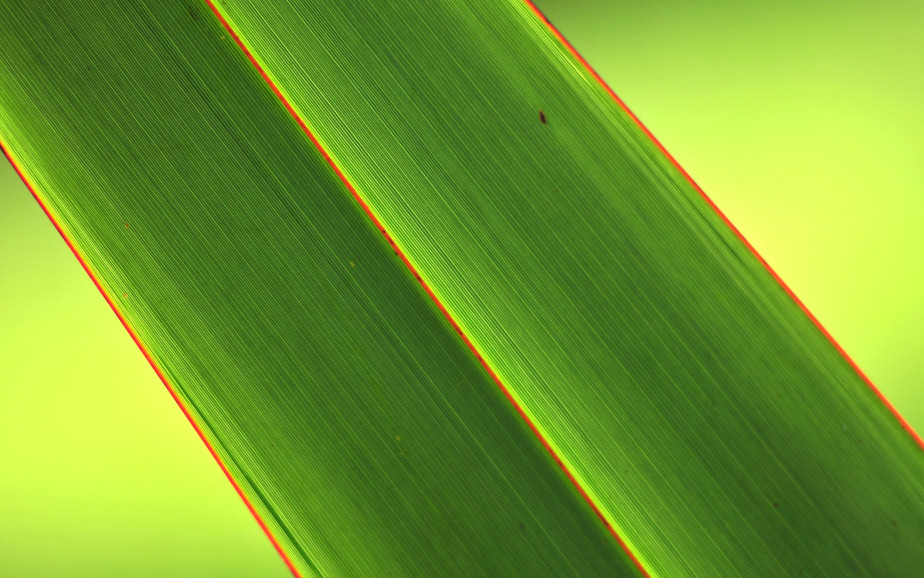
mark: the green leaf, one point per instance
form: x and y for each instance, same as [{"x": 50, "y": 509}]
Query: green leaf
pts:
[
  {"x": 705, "y": 415},
  {"x": 361, "y": 428}
]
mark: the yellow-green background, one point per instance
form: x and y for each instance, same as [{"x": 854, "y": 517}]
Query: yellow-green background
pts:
[{"x": 801, "y": 120}]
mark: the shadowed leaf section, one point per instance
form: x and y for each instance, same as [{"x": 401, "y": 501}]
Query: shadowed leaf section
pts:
[
  {"x": 707, "y": 416},
  {"x": 364, "y": 431}
]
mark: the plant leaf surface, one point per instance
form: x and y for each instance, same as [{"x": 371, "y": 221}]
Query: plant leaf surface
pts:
[
  {"x": 714, "y": 424},
  {"x": 360, "y": 426}
]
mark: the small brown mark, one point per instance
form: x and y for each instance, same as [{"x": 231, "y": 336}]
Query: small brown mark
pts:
[
  {"x": 352, "y": 264},
  {"x": 126, "y": 225},
  {"x": 776, "y": 504},
  {"x": 521, "y": 526},
  {"x": 542, "y": 117}
]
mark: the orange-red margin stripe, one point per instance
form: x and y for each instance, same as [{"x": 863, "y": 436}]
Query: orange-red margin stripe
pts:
[
  {"x": 423, "y": 284},
  {"x": 904, "y": 424},
  {"x": 150, "y": 359}
]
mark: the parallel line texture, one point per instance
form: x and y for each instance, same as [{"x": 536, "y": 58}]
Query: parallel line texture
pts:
[
  {"x": 355, "y": 420},
  {"x": 426, "y": 287},
  {"x": 901, "y": 420},
  {"x": 173, "y": 394},
  {"x": 703, "y": 411}
]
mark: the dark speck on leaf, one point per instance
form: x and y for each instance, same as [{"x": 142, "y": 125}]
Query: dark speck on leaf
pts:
[
  {"x": 522, "y": 526},
  {"x": 542, "y": 117},
  {"x": 776, "y": 504}
]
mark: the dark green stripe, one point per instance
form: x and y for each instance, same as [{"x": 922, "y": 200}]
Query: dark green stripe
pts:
[
  {"x": 360, "y": 424},
  {"x": 712, "y": 422}
]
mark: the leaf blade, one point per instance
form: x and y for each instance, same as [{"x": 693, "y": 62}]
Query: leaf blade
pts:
[
  {"x": 358, "y": 424},
  {"x": 620, "y": 309}
]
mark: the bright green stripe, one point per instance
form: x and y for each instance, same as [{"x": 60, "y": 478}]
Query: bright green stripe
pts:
[
  {"x": 358, "y": 422},
  {"x": 712, "y": 422}
]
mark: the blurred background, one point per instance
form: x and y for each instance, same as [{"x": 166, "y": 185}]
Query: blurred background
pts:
[{"x": 802, "y": 121}]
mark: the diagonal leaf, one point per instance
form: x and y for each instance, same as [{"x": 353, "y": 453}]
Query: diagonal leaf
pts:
[
  {"x": 712, "y": 421},
  {"x": 704, "y": 414},
  {"x": 353, "y": 418}
]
